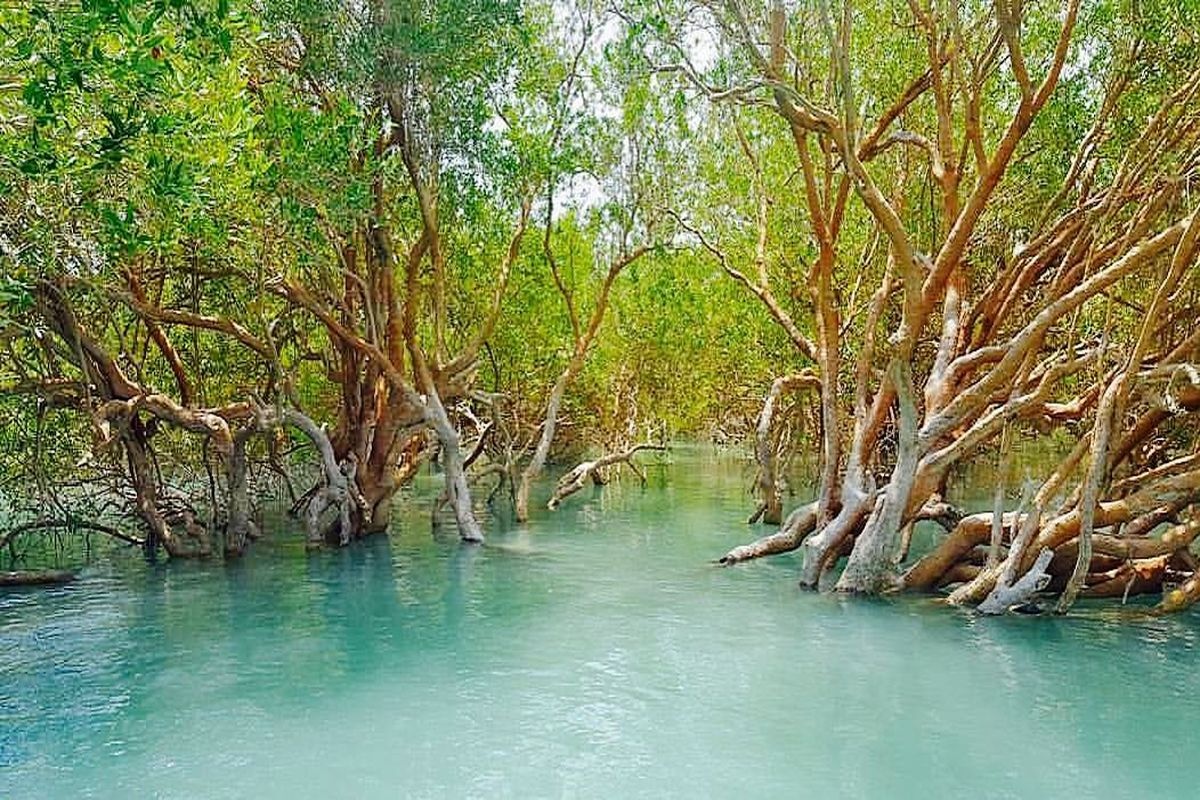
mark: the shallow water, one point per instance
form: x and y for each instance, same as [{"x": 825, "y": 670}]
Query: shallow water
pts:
[{"x": 595, "y": 654}]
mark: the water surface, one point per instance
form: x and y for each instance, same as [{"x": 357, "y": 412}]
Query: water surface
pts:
[{"x": 595, "y": 653}]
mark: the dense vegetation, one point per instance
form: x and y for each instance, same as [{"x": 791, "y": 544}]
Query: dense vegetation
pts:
[{"x": 305, "y": 248}]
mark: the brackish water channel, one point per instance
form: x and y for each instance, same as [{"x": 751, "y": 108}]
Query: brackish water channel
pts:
[{"x": 595, "y": 653}]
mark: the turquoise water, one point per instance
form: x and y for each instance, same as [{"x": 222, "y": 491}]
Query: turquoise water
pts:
[{"x": 595, "y": 654}]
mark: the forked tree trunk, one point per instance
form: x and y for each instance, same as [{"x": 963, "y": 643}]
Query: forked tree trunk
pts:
[
  {"x": 583, "y": 343},
  {"x": 339, "y": 491},
  {"x": 823, "y": 548},
  {"x": 858, "y": 493},
  {"x": 147, "y": 501},
  {"x": 770, "y": 499},
  {"x": 870, "y": 568},
  {"x": 457, "y": 490}
]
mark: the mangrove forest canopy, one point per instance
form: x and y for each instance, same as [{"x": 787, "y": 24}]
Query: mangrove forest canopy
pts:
[{"x": 301, "y": 249}]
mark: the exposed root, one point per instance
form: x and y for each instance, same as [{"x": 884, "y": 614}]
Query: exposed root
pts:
[
  {"x": 1021, "y": 592},
  {"x": 1181, "y": 598},
  {"x": 1118, "y": 566},
  {"x": 798, "y": 525},
  {"x": 1145, "y": 576}
]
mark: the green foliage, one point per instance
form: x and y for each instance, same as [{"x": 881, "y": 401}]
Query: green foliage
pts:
[{"x": 220, "y": 146}]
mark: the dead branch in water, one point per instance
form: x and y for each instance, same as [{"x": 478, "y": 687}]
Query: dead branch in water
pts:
[
  {"x": 574, "y": 480},
  {"x": 52, "y": 577}
]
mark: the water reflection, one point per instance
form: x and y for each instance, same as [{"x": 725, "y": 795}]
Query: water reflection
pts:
[{"x": 593, "y": 653}]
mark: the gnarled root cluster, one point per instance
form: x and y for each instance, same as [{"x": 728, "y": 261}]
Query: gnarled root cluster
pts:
[
  {"x": 128, "y": 418},
  {"x": 1124, "y": 560}
]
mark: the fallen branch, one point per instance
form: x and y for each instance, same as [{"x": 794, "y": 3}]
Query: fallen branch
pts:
[
  {"x": 798, "y": 525},
  {"x": 52, "y": 577},
  {"x": 44, "y": 523},
  {"x": 574, "y": 480}
]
